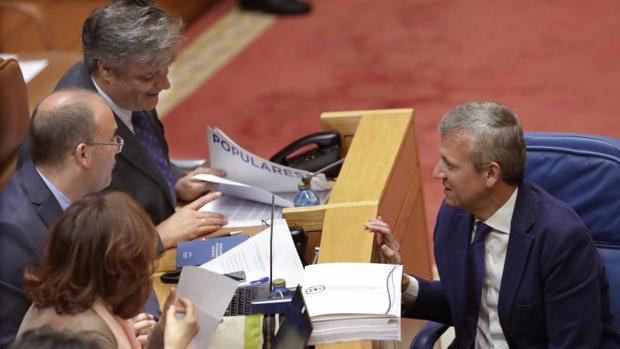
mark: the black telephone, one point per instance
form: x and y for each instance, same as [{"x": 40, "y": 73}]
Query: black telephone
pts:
[{"x": 325, "y": 149}]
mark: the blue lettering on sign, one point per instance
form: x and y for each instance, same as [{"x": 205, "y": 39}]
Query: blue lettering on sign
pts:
[
  {"x": 225, "y": 145},
  {"x": 248, "y": 159}
]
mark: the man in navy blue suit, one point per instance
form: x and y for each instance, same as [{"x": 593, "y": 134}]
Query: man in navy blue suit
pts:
[
  {"x": 518, "y": 268},
  {"x": 73, "y": 147}
]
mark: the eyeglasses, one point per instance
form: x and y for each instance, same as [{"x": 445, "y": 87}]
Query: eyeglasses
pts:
[{"x": 118, "y": 143}]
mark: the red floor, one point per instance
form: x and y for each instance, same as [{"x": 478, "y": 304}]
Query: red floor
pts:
[{"x": 555, "y": 62}]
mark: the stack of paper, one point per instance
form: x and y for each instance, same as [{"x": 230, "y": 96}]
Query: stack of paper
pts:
[{"x": 353, "y": 301}]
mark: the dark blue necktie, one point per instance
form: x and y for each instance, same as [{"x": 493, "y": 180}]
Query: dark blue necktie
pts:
[
  {"x": 475, "y": 275},
  {"x": 143, "y": 129}
]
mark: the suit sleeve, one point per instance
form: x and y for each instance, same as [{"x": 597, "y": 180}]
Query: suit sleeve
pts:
[
  {"x": 431, "y": 303},
  {"x": 572, "y": 292},
  {"x": 15, "y": 255}
]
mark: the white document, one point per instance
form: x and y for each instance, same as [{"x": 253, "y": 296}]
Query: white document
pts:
[
  {"x": 211, "y": 293},
  {"x": 29, "y": 67},
  {"x": 245, "y": 167},
  {"x": 334, "y": 289},
  {"x": 252, "y": 256},
  {"x": 240, "y": 212},
  {"x": 243, "y": 191},
  {"x": 353, "y": 301}
]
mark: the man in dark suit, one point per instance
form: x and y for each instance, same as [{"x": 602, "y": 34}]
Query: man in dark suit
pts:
[
  {"x": 73, "y": 144},
  {"x": 128, "y": 47},
  {"x": 518, "y": 268}
]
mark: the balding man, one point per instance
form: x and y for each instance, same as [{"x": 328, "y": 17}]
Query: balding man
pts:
[{"x": 73, "y": 145}]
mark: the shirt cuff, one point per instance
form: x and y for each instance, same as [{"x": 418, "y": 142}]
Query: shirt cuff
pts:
[{"x": 411, "y": 293}]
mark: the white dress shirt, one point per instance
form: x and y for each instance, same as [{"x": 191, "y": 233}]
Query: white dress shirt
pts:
[{"x": 489, "y": 333}]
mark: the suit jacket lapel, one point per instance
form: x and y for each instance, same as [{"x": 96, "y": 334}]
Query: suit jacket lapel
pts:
[
  {"x": 517, "y": 253},
  {"x": 40, "y": 195},
  {"x": 134, "y": 153}
]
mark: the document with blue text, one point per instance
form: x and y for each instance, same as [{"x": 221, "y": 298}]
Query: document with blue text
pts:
[{"x": 244, "y": 167}]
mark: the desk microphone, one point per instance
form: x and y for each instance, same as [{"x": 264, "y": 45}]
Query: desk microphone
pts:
[
  {"x": 273, "y": 207},
  {"x": 306, "y": 178},
  {"x": 271, "y": 305}
]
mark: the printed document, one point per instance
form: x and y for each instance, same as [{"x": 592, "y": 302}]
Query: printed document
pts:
[
  {"x": 240, "y": 212},
  {"x": 245, "y": 167},
  {"x": 252, "y": 256},
  {"x": 243, "y": 191},
  {"x": 353, "y": 301},
  {"x": 211, "y": 293}
]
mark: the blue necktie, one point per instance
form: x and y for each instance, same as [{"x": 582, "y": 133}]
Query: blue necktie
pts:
[
  {"x": 475, "y": 275},
  {"x": 143, "y": 129}
]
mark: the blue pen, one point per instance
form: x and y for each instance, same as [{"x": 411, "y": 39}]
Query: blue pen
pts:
[{"x": 260, "y": 281}]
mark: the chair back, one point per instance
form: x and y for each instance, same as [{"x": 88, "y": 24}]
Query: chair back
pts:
[
  {"x": 583, "y": 171},
  {"x": 14, "y": 116}
]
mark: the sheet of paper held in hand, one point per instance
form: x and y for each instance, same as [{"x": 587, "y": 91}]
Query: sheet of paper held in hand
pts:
[
  {"x": 244, "y": 167},
  {"x": 240, "y": 212},
  {"x": 211, "y": 293},
  {"x": 243, "y": 191},
  {"x": 252, "y": 256}
]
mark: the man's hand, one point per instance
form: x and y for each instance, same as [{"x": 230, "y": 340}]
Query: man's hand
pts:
[
  {"x": 390, "y": 248},
  {"x": 142, "y": 325},
  {"x": 189, "y": 189},
  {"x": 179, "y": 332},
  {"x": 188, "y": 223}
]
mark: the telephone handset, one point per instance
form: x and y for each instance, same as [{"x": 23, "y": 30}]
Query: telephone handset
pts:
[{"x": 325, "y": 149}]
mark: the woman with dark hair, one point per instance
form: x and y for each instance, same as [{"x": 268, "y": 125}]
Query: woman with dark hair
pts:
[{"x": 96, "y": 273}]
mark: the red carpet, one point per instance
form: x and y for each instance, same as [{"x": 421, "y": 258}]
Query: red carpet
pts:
[{"x": 555, "y": 62}]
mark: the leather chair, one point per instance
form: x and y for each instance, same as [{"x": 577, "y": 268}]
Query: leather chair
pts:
[
  {"x": 583, "y": 171},
  {"x": 14, "y": 116}
]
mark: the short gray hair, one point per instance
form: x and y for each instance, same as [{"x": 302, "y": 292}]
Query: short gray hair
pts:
[
  {"x": 121, "y": 34},
  {"x": 497, "y": 136},
  {"x": 56, "y": 129}
]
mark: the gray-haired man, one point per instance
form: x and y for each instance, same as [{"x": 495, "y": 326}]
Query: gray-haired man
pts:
[{"x": 128, "y": 47}]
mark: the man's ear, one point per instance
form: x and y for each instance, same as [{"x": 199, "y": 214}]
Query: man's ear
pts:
[
  {"x": 104, "y": 71},
  {"x": 493, "y": 174},
  {"x": 82, "y": 155}
]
